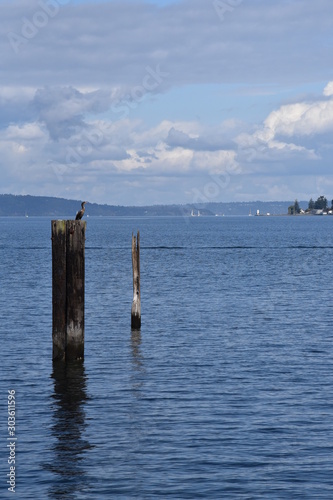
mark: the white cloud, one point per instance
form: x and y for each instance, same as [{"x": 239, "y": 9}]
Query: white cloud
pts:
[
  {"x": 301, "y": 119},
  {"x": 286, "y": 131},
  {"x": 26, "y": 132},
  {"x": 328, "y": 90}
]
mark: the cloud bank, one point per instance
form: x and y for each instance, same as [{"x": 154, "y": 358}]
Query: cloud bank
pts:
[{"x": 83, "y": 87}]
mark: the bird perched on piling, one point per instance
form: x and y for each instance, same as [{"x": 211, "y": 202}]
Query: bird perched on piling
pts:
[{"x": 80, "y": 213}]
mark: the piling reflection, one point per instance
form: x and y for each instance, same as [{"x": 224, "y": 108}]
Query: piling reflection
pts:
[
  {"x": 70, "y": 396},
  {"x": 137, "y": 357},
  {"x": 137, "y": 428}
]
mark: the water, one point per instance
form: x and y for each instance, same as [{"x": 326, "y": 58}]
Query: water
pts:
[{"x": 227, "y": 392}]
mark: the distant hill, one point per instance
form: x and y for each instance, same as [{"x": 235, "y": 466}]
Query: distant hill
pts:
[{"x": 12, "y": 205}]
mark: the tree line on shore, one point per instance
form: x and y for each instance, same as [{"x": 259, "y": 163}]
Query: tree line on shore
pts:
[{"x": 320, "y": 204}]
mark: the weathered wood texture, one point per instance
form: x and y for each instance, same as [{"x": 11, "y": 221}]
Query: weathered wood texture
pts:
[
  {"x": 59, "y": 288},
  {"x": 136, "y": 304},
  {"x": 68, "y": 251},
  {"x": 75, "y": 246}
]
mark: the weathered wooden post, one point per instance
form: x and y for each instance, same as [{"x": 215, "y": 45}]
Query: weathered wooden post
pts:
[
  {"x": 136, "y": 304},
  {"x": 68, "y": 245},
  {"x": 59, "y": 288}
]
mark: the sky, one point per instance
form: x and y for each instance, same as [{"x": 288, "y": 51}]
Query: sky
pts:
[{"x": 186, "y": 101}]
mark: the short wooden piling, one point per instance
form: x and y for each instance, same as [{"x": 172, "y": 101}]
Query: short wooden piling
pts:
[
  {"x": 136, "y": 304},
  {"x": 68, "y": 248}
]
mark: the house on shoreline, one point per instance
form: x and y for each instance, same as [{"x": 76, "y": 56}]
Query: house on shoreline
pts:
[{"x": 319, "y": 207}]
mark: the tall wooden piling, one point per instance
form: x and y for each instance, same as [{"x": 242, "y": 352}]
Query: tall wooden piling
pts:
[
  {"x": 136, "y": 304},
  {"x": 68, "y": 248}
]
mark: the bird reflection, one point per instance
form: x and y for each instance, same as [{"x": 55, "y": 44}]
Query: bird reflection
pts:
[{"x": 70, "y": 397}]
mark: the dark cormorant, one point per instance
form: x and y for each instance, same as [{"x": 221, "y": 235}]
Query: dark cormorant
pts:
[{"x": 80, "y": 213}]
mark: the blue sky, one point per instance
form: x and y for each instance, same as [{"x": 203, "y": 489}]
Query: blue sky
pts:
[{"x": 185, "y": 101}]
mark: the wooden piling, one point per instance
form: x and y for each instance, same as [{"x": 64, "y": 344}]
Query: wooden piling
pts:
[
  {"x": 59, "y": 289},
  {"x": 136, "y": 304},
  {"x": 68, "y": 248}
]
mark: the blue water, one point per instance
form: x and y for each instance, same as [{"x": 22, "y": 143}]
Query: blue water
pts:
[{"x": 227, "y": 392}]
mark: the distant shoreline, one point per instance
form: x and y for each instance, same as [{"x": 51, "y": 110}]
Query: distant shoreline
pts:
[{"x": 28, "y": 206}]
